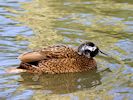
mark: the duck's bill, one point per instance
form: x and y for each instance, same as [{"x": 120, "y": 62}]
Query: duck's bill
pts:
[{"x": 103, "y": 53}]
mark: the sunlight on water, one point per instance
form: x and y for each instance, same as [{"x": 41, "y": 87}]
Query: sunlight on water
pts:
[{"x": 32, "y": 24}]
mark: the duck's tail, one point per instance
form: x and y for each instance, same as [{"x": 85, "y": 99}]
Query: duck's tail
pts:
[{"x": 15, "y": 70}]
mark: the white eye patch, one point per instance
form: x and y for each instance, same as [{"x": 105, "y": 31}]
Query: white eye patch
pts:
[{"x": 89, "y": 48}]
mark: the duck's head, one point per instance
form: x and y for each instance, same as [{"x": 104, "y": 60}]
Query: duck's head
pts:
[{"x": 88, "y": 49}]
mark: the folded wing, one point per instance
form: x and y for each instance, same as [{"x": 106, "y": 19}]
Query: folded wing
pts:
[{"x": 48, "y": 53}]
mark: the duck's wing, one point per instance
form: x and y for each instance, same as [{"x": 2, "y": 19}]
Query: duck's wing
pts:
[
  {"x": 60, "y": 51},
  {"x": 31, "y": 56}
]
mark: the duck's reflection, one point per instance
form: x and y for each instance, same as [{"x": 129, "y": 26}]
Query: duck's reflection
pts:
[{"x": 62, "y": 83}]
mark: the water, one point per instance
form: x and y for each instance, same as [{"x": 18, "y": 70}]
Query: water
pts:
[{"x": 27, "y": 24}]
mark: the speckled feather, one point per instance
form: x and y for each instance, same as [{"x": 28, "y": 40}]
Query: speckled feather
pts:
[{"x": 56, "y": 59}]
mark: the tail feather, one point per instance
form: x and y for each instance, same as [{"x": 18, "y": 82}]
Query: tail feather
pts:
[
  {"x": 29, "y": 68},
  {"x": 15, "y": 70},
  {"x": 24, "y": 67}
]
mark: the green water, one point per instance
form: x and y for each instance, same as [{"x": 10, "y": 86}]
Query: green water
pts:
[{"x": 27, "y": 25}]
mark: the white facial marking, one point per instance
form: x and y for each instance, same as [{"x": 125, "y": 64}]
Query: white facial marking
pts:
[
  {"x": 94, "y": 48},
  {"x": 79, "y": 53},
  {"x": 88, "y": 55},
  {"x": 89, "y": 48}
]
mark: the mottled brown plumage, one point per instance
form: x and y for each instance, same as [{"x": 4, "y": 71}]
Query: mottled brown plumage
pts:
[{"x": 57, "y": 59}]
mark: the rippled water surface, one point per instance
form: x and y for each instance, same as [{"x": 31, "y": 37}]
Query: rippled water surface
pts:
[{"x": 31, "y": 24}]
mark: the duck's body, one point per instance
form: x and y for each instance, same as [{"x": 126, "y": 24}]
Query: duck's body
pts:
[{"x": 58, "y": 59}]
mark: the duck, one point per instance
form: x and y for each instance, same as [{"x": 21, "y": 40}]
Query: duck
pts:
[{"x": 60, "y": 59}]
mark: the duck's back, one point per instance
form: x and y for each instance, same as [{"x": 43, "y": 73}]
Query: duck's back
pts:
[{"x": 56, "y": 59}]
